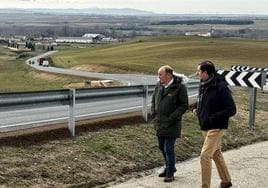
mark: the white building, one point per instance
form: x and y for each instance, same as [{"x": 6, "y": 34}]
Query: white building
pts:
[
  {"x": 73, "y": 40},
  {"x": 93, "y": 36},
  {"x": 86, "y": 38},
  {"x": 109, "y": 39},
  {"x": 208, "y": 34}
]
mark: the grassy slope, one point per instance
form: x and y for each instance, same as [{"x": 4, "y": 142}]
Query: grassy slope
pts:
[
  {"x": 183, "y": 53},
  {"x": 15, "y": 75}
]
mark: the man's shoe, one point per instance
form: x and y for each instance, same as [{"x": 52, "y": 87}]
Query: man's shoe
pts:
[
  {"x": 225, "y": 185},
  {"x": 169, "y": 178},
  {"x": 163, "y": 174}
]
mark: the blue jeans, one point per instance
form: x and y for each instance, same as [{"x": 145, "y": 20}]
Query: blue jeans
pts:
[{"x": 166, "y": 145}]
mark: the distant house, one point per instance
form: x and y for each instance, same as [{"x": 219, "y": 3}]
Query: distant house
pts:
[
  {"x": 73, "y": 40},
  {"x": 47, "y": 39},
  {"x": 93, "y": 36},
  {"x": 86, "y": 38},
  {"x": 208, "y": 34},
  {"x": 14, "y": 40},
  {"x": 192, "y": 33},
  {"x": 108, "y": 39},
  {"x": 21, "y": 37}
]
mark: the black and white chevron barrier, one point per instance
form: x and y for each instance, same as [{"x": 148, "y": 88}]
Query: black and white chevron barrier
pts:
[
  {"x": 244, "y": 79},
  {"x": 248, "y": 77},
  {"x": 242, "y": 68}
]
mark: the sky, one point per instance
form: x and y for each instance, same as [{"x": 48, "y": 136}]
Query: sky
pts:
[{"x": 157, "y": 6}]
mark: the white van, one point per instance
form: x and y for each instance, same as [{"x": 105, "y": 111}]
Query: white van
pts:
[{"x": 45, "y": 63}]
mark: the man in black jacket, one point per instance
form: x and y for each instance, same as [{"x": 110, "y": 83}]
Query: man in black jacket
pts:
[
  {"x": 214, "y": 107},
  {"x": 169, "y": 102}
]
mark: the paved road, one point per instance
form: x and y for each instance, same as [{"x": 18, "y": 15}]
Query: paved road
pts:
[
  {"x": 248, "y": 167},
  {"x": 125, "y": 79}
]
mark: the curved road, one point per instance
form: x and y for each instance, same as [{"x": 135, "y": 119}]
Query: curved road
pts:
[{"x": 125, "y": 79}]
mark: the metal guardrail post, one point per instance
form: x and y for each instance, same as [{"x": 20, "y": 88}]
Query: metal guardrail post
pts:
[
  {"x": 263, "y": 79},
  {"x": 252, "y": 101},
  {"x": 252, "y": 106},
  {"x": 145, "y": 103},
  {"x": 71, "y": 122}
]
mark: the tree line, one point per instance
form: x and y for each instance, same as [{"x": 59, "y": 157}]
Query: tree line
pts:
[{"x": 193, "y": 22}]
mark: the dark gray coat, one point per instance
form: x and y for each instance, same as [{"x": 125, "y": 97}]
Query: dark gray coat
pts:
[{"x": 168, "y": 106}]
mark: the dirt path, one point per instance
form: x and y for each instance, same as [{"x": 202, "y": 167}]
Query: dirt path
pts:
[{"x": 248, "y": 167}]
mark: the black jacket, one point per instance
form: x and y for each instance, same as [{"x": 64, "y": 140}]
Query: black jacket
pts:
[
  {"x": 168, "y": 106},
  {"x": 215, "y": 104}
]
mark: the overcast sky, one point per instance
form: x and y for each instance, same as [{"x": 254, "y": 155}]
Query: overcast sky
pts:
[{"x": 158, "y": 6}]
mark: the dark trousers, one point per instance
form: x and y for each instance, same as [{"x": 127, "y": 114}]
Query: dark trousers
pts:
[{"x": 166, "y": 145}]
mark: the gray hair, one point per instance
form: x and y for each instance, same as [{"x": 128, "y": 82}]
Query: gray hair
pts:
[{"x": 168, "y": 69}]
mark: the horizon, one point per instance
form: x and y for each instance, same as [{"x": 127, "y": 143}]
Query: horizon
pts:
[
  {"x": 142, "y": 11},
  {"x": 257, "y": 7}
]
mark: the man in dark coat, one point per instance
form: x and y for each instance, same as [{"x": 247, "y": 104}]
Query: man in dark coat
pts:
[
  {"x": 214, "y": 108},
  {"x": 169, "y": 102}
]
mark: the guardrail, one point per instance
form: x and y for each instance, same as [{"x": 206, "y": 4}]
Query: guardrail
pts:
[{"x": 71, "y": 97}]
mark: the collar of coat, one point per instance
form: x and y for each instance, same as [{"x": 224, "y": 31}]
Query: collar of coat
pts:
[
  {"x": 176, "y": 81},
  {"x": 213, "y": 80}
]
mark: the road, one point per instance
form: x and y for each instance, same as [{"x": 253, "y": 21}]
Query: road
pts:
[
  {"x": 248, "y": 167},
  {"x": 125, "y": 79}
]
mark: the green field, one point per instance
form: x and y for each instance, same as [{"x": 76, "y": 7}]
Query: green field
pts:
[{"x": 183, "y": 53}]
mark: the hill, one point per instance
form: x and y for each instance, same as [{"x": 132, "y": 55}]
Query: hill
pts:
[
  {"x": 183, "y": 53},
  {"x": 85, "y": 11}
]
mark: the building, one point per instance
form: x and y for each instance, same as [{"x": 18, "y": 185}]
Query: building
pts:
[
  {"x": 86, "y": 38},
  {"x": 207, "y": 34},
  {"x": 108, "y": 40},
  {"x": 93, "y": 36},
  {"x": 73, "y": 40}
]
